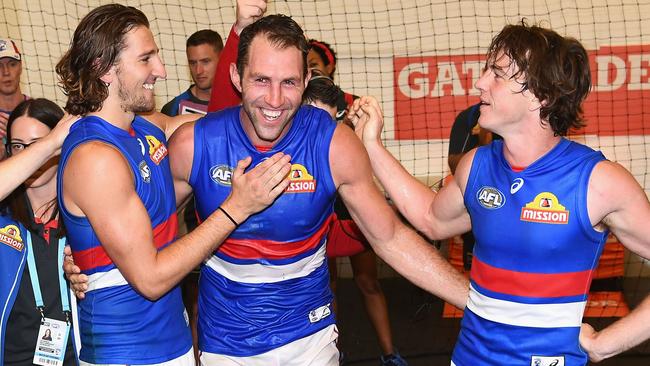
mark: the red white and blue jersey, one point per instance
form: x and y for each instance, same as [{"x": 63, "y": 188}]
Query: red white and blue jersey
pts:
[
  {"x": 534, "y": 257},
  {"x": 117, "y": 324},
  {"x": 267, "y": 284}
]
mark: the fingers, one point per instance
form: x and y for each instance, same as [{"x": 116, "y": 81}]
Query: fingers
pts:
[{"x": 4, "y": 117}]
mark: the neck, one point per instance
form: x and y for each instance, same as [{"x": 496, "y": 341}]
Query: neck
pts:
[
  {"x": 202, "y": 94},
  {"x": 40, "y": 198},
  {"x": 522, "y": 151},
  {"x": 113, "y": 113},
  {"x": 10, "y": 101}
]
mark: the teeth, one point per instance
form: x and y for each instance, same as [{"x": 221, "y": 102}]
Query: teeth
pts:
[
  {"x": 271, "y": 114},
  {"x": 148, "y": 86}
]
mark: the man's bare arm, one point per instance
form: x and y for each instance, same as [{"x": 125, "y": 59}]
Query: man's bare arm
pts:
[
  {"x": 169, "y": 124},
  {"x": 439, "y": 216},
  {"x": 399, "y": 246},
  {"x": 151, "y": 272},
  {"x": 616, "y": 200}
]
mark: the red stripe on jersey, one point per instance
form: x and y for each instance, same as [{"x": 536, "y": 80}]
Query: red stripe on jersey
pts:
[
  {"x": 530, "y": 284},
  {"x": 97, "y": 257},
  {"x": 269, "y": 249}
]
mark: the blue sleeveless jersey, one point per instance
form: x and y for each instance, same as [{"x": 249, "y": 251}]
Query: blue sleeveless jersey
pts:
[
  {"x": 534, "y": 257},
  {"x": 267, "y": 284},
  {"x": 117, "y": 324}
]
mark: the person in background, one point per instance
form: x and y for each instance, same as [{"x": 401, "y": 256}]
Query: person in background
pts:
[
  {"x": 11, "y": 67},
  {"x": 203, "y": 49},
  {"x": 346, "y": 240},
  {"x": 32, "y": 239}
]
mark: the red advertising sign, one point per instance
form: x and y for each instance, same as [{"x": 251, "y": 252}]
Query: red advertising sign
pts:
[{"x": 431, "y": 90}]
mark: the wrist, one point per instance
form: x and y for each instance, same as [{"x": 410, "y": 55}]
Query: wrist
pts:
[{"x": 234, "y": 211}]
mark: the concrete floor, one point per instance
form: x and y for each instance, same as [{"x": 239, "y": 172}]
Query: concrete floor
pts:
[{"x": 419, "y": 332}]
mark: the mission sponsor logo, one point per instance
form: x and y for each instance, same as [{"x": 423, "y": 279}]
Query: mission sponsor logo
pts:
[
  {"x": 301, "y": 180},
  {"x": 221, "y": 174},
  {"x": 546, "y": 209},
  {"x": 10, "y": 236},
  {"x": 157, "y": 150},
  {"x": 490, "y": 198}
]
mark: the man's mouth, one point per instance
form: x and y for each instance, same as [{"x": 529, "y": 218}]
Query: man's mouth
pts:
[{"x": 270, "y": 115}]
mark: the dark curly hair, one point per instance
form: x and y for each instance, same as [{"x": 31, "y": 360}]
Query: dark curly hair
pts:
[
  {"x": 280, "y": 30},
  {"x": 555, "y": 69},
  {"x": 95, "y": 47}
]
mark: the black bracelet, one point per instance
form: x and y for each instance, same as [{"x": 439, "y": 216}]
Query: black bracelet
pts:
[{"x": 228, "y": 216}]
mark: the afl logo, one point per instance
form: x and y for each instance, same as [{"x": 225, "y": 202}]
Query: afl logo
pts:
[
  {"x": 490, "y": 198},
  {"x": 221, "y": 174},
  {"x": 145, "y": 171}
]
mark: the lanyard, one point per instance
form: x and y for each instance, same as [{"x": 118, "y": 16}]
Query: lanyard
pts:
[{"x": 36, "y": 286}]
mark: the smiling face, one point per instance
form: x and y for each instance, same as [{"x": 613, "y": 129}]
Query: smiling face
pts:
[
  {"x": 137, "y": 70},
  {"x": 503, "y": 102},
  {"x": 27, "y": 130},
  {"x": 271, "y": 84}
]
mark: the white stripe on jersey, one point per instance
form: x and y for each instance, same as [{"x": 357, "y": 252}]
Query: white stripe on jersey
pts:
[
  {"x": 526, "y": 315},
  {"x": 263, "y": 273},
  {"x": 101, "y": 280}
]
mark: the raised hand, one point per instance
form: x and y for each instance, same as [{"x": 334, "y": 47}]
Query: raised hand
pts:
[
  {"x": 248, "y": 11},
  {"x": 367, "y": 118}
]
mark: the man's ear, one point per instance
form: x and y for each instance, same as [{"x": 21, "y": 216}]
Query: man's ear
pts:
[
  {"x": 307, "y": 78},
  {"x": 109, "y": 76},
  {"x": 234, "y": 76}
]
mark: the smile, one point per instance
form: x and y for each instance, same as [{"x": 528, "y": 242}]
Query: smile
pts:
[{"x": 270, "y": 115}]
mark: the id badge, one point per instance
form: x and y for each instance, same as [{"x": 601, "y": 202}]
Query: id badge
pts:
[{"x": 51, "y": 343}]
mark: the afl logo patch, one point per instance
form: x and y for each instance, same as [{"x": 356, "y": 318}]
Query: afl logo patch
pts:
[
  {"x": 221, "y": 174},
  {"x": 490, "y": 198},
  {"x": 145, "y": 171}
]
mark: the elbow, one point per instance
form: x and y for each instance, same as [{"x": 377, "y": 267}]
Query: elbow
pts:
[{"x": 150, "y": 289}]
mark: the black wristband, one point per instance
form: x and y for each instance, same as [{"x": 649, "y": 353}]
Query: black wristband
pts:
[{"x": 228, "y": 216}]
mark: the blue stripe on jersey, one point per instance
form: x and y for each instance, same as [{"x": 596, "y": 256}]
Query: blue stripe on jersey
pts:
[
  {"x": 240, "y": 319},
  {"x": 486, "y": 343}
]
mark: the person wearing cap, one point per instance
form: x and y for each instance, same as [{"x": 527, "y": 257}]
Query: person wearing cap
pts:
[{"x": 10, "y": 95}]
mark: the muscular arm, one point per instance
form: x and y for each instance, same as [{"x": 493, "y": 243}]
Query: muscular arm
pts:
[
  {"x": 169, "y": 124},
  {"x": 439, "y": 216},
  {"x": 395, "y": 243},
  {"x": 86, "y": 192},
  {"x": 16, "y": 169},
  {"x": 616, "y": 200}
]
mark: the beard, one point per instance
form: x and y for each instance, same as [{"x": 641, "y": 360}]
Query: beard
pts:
[{"x": 133, "y": 98}]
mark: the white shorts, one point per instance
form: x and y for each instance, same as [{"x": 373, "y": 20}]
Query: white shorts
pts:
[
  {"x": 318, "y": 349},
  {"x": 184, "y": 360}
]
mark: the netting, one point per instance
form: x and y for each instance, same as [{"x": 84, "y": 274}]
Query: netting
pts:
[{"x": 420, "y": 58}]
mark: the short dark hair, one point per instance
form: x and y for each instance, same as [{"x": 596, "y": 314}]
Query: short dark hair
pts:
[
  {"x": 96, "y": 46},
  {"x": 48, "y": 113},
  {"x": 555, "y": 69},
  {"x": 280, "y": 30},
  {"x": 205, "y": 36},
  {"x": 322, "y": 89}
]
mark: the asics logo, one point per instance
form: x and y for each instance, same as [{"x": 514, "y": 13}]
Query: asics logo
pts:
[{"x": 516, "y": 185}]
